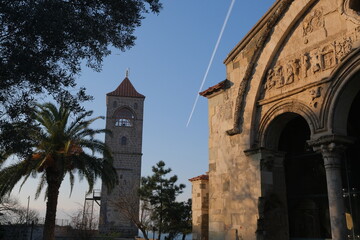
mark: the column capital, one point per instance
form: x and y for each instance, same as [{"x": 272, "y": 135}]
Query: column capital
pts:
[
  {"x": 330, "y": 144},
  {"x": 332, "y": 148}
]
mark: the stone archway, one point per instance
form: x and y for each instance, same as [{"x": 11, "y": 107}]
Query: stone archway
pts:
[
  {"x": 306, "y": 189},
  {"x": 299, "y": 178},
  {"x": 350, "y": 171},
  {"x": 340, "y": 148},
  {"x": 345, "y": 121}
]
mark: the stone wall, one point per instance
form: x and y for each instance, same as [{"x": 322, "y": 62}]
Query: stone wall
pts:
[
  {"x": 200, "y": 207},
  {"x": 282, "y": 65}
]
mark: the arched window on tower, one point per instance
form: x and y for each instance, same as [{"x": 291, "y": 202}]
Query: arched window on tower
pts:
[
  {"x": 123, "y": 141},
  {"x": 124, "y": 118}
]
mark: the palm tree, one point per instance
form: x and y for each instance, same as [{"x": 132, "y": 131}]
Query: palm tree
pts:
[{"x": 60, "y": 148}]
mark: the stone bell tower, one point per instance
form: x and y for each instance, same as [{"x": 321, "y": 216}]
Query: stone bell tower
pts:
[{"x": 124, "y": 117}]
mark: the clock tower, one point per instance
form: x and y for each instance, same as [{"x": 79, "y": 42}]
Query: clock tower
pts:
[{"x": 124, "y": 118}]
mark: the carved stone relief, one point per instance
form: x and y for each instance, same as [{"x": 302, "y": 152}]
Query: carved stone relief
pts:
[
  {"x": 313, "y": 22},
  {"x": 311, "y": 62},
  {"x": 351, "y": 10},
  {"x": 315, "y": 95}
]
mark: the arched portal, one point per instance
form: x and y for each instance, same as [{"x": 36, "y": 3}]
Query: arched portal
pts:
[
  {"x": 351, "y": 170},
  {"x": 306, "y": 189},
  {"x": 301, "y": 183}
]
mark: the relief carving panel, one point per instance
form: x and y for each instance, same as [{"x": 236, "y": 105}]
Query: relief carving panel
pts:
[
  {"x": 309, "y": 65},
  {"x": 313, "y": 22}
]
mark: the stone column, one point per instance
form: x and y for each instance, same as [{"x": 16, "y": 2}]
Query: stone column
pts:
[
  {"x": 332, "y": 148},
  {"x": 332, "y": 155}
]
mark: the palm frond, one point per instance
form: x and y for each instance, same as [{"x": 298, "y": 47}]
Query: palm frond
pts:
[
  {"x": 62, "y": 146},
  {"x": 73, "y": 128},
  {"x": 72, "y": 181},
  {"x": 11, "y": 175},
  {"x": 94, "y": 145},
  {"x": 91, "y": 132},
  {"x": 40, "y": 186}
]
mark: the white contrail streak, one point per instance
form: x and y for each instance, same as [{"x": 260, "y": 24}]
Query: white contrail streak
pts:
[{"x": 211, "y": 60}]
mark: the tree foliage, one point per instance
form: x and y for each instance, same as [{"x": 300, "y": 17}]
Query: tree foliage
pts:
[
  {"x": 43, "y": 44},
  {"x": 11, "y": 212},
  {"x": 161, "y": 192},
  {"x": 84, "y": 223},
  {"x": 59, "y": 148},
  {"x": 178, "y": 220}
]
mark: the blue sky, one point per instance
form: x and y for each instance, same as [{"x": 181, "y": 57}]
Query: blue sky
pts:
[{"x": 167, "y": 65}]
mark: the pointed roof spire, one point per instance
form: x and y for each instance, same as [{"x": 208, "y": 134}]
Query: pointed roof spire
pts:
[{"x": 125, "y": 89}]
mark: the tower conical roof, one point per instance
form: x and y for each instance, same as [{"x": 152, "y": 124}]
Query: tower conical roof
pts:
[{"x": 125, "y": 89}]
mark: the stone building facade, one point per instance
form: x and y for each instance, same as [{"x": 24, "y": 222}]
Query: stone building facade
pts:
[
  {"x": 284, "y": 127},
  {"x": 124, "y": 117},
  {"x": 200, "y": 207}
]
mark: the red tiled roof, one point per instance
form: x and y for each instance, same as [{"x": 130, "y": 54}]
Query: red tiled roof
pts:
[
  {"x": 201, "y": 177},
  {"x": 214, "y": 89},
  {"x": 125, "y": 89}
]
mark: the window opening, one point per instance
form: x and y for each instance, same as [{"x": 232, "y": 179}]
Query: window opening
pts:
[
  {"x": 124, "y": 118},
  {"x": 123, "y": 141}
]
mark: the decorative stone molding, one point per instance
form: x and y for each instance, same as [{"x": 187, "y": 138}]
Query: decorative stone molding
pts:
[
  {"x": 315, "y": 95},
  {"x": 297, "y": 69},
  {"x": 313, "y": 22},
  {"x": 347, "y": 9},
  {"x": 244, "y": 85},
  {"x": 331, "y": 147},
  {"x": 330, "y": 143},
  {"x": 285, "y": 106}
]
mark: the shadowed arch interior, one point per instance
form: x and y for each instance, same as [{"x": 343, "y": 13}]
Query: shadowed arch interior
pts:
[
  {"x": 275, "y": 129},
  {"x": 306, "y": 189},
  {"x": 355, "y": 5},
  {"x": 351, "y": 168},
  {"x": 294, "y": 136},
  {"x": 343, "y": 104}
]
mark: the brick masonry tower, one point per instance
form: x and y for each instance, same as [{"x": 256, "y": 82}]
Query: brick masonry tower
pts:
[{"x": 124, "y": 117}]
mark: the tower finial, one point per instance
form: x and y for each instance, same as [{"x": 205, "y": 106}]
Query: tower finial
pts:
[{"x": 127, "y": 72}]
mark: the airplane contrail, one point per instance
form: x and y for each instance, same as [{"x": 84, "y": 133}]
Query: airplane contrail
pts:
[{"x": 211, "y": 60}]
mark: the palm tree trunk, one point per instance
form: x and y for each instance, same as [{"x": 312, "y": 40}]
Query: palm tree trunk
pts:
[{"x": 54, "y": 183}]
